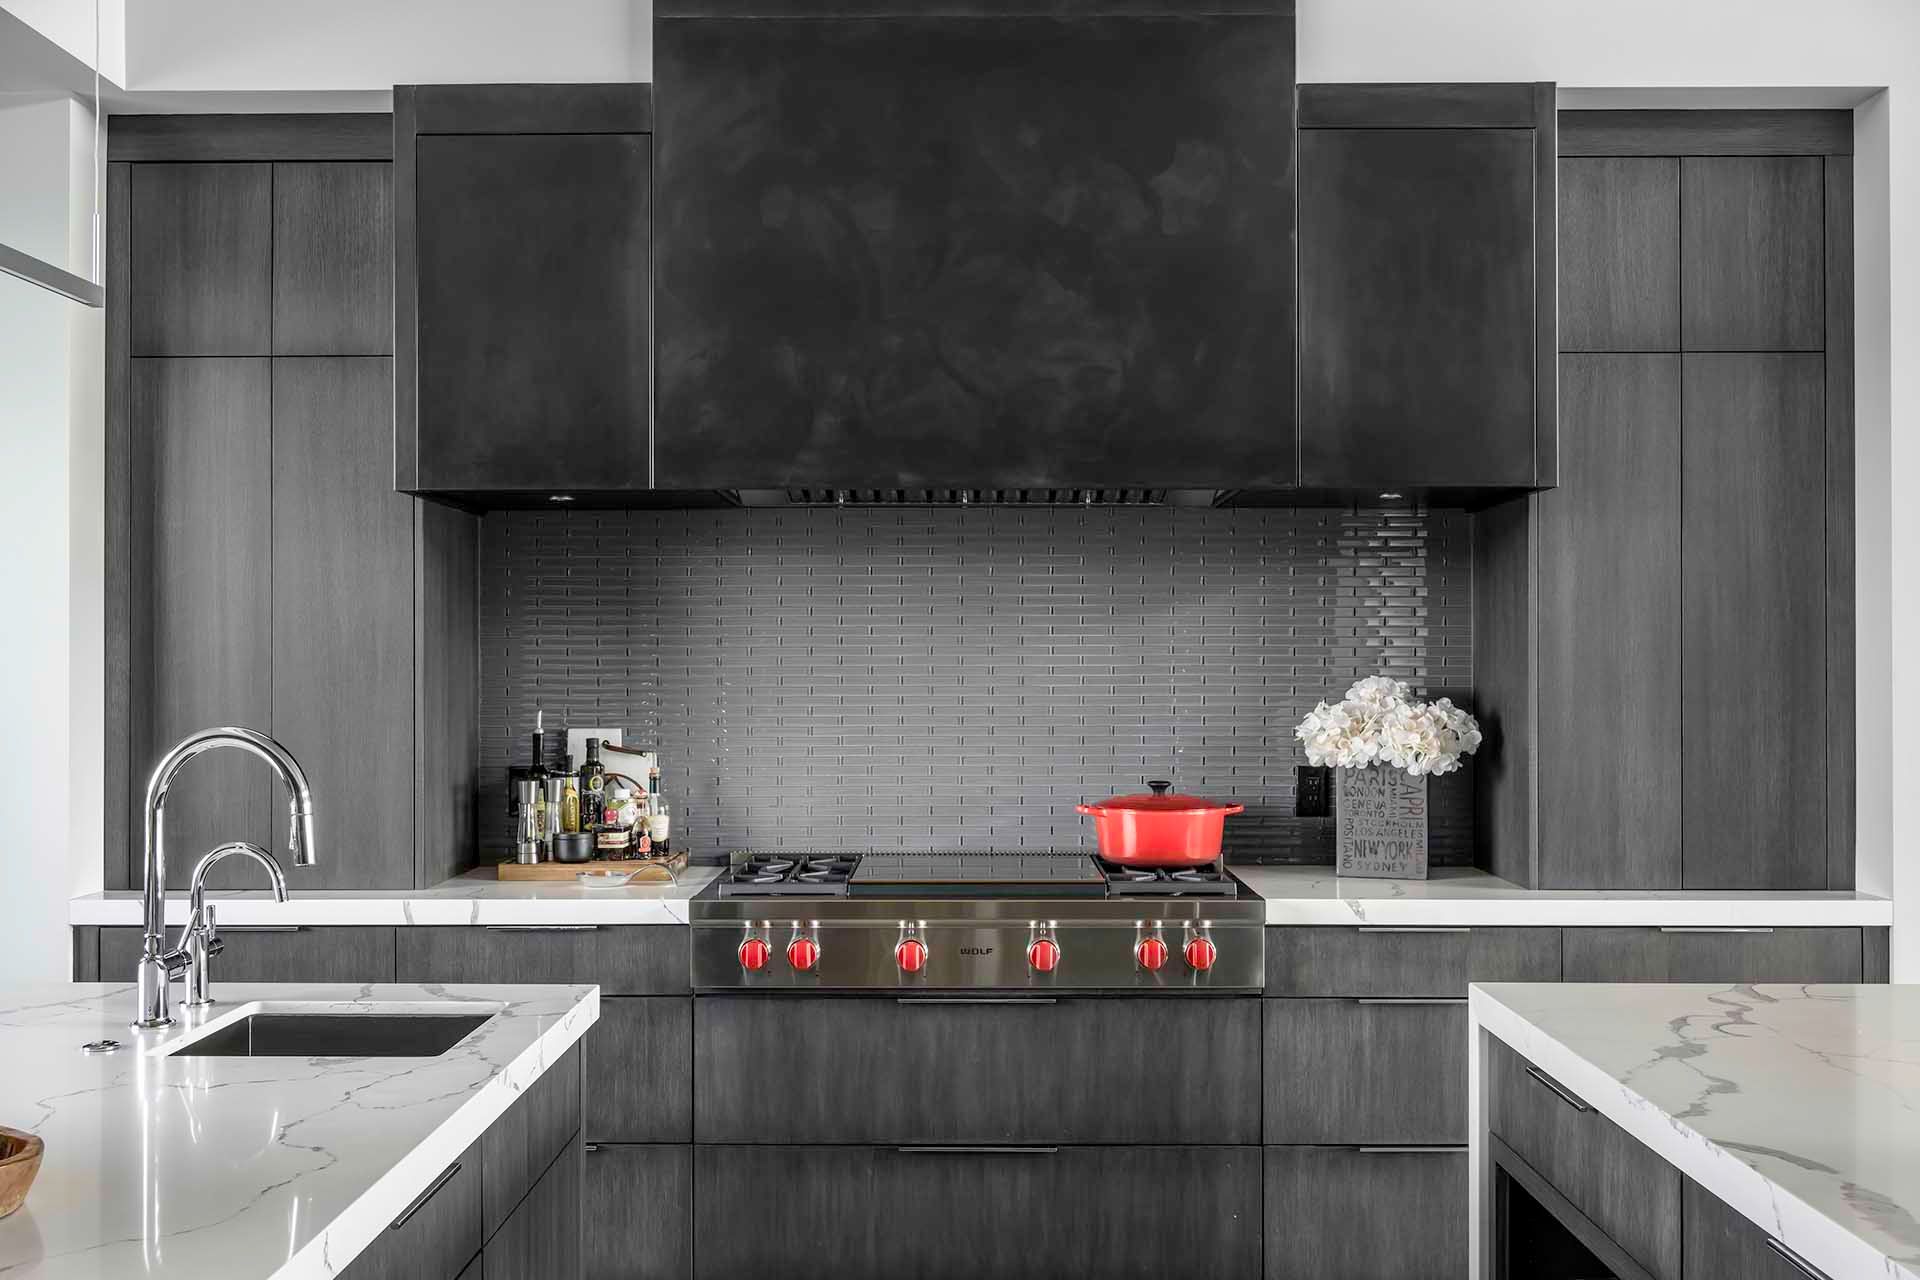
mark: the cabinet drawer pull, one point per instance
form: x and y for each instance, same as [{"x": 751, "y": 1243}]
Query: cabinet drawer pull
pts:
[
  {"x": 939, "y": 1000},
  {"x": 1558, "y": 1090},
  {"x": 1716, "y": 928},
  {"x": 1798, "y": 1263},
  {"x": 539, "y": 928},
  {"x": 420, "y": 1201},
  {"x": 1410, "y": 1151},
  {"x": 976, "y": 1151},
  {"x": 1410, "y": 1000},
  {"x": 261, "y": 928},
  {"x": 1413, "y": 928}
]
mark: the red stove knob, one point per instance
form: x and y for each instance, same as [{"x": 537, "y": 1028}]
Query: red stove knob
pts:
[
  {"x": 754, "y": 954},
  {"x": 1150, "y": 952},
  {"x": 803, "y": 953},
  {"x": 1201, "y": 953},
  {"x": 1043, "y": 954},
  {"x": 911, "y": 955}
]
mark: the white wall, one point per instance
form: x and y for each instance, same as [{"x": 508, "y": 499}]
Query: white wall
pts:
[{"x": 51, "y": 492}]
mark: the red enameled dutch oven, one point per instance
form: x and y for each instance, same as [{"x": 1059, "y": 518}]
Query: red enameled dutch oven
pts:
[{"x": 1159, "y": 830}]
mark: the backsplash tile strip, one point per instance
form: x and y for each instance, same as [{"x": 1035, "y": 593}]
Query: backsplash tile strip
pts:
[{"x": 931, "y": 677}]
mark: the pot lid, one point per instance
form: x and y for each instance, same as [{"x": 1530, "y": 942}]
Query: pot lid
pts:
[{"x": 1160, "y": 801}]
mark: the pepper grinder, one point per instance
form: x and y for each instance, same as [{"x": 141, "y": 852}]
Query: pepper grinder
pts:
[{"x": 528, "y": 837}]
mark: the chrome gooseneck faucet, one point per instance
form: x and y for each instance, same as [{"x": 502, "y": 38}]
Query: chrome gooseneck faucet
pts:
[
  {"x": 159, "y": 964},
  {"x": 201, "y": 937}
]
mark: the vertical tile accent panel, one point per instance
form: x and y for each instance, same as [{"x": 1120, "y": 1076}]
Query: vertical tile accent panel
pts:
[{"x": 921, "y": 678}]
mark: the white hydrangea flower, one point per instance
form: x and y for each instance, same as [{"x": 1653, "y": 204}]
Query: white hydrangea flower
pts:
[{"x": 1379, "y": 722}]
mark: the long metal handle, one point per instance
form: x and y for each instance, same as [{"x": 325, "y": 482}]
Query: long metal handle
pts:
[
  {"x": 1413, "y": 1000},
  {"x": 1413, "y": 928},
  {"x": 1715, "y": 928},
  {"x": 1409, "y": 1151},
  {"x": 1035, "y": 1000},
  {"x": 421, "y": 1201},
  {"x": 1559, "y": 1090},
  {"x": 1798, "y": 1263},
  {"x": 261, "y": 928},
  {"x": 540, "y": 928},
  {"x": 976, "y": 1151}
]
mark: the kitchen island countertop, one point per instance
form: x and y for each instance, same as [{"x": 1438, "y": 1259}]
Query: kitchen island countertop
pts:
[{"x": 243, "y": 1167}]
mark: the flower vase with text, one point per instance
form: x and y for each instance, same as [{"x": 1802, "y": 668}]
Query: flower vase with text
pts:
[{"x": 1383, "y": 744}]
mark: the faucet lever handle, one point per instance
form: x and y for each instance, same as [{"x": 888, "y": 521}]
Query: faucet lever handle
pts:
[{"x": 210, "y": 942}]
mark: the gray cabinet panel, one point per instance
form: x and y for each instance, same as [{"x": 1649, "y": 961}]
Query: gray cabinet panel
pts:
[
  {"x": 954, "y": 1071},
  {"x": 308, "y": 953},
  {"x": 638, "y": 1207},
  {"x": 438, "y": 1238},
  {"x": 1752, "y": 250},
  {"x": 541, "y": 1241},
  {"x": 626, "y": 960},
  {"x": 1416, "y": 307},
  {"x": 639, "y": 1071},
  {"x": 333, "y": 261},
  {"x": 543, "y": 1123},
  {"x": 1336, "y": 961},
  {"x": 1619, "y": 259},
  {"x": 202, "y": 563},
  {"x": 1658, "y": 955},
  {"x": 200, "y": 260},
  {"x": 1753, "y": 565},
  {"x": 1350, "y": 1072},
  {"x": 1721, "y": 1244},
  {"x": 1610, "y": 608},
  {"x": 1629, "y": 1192},
  {"x": 343, "y": 616},
  {"x": 1336, "y": 1213},
  {"x": 446, "y": 692}
]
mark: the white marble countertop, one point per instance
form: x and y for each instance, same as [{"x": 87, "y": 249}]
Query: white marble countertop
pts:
[
  {"x": 247, "y": 1167},
  {"x": 474, "y": 898},
  {"x": 1798, "y": 1106},
  {"x": 1465, "y": 896}
]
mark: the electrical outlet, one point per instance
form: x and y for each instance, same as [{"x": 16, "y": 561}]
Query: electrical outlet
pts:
[{"x": 1312, "y": 791}]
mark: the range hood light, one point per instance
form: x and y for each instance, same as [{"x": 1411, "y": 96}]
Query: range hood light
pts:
[
  {"x": 560, "y": 497},
  {"x": 1390, "y": 497}
]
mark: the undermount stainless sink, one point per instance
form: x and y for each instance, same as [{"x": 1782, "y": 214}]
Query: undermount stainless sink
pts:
[{"x": 333, "y": 1035}]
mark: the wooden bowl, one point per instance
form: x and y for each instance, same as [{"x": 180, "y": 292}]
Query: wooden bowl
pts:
[{"x": 19, "y": 1161}]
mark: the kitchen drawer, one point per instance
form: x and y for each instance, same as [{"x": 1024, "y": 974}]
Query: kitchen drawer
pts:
[
  {"x": 844, "y": 1213},
  {"x": 1626, "y": 1190},
  {"x": 1345, "y": 1213},
  {"x": 524, "y": 1141},
  {"x": 976, "y": 1071},
  {"x": 626, "y": 960},
  {"x": 638, "y": 1204},
  {"x": 540, "y": 1240},
  {"x": 1365, "y": 1071},
  {"x": 433, "y": 1237},
  {"x": 1333, "y": 960},
  {"x": 638, "y": 1071},
  {"x": 1722, "y": 1244},
  {"x": 298, "y": 953},
  {"x": 1710, "y": 955}
]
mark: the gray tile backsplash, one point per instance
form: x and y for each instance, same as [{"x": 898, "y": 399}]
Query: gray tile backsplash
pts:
[{"x": 926, "y": 678}]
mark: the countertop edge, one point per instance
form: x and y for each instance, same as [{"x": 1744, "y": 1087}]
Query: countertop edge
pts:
[
  {"x": 1600, "y": 912},
  {"x": 1819, "y": 1239}
]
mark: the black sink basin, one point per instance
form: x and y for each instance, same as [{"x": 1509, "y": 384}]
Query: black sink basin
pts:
[{"x": 334, "y": 1035}]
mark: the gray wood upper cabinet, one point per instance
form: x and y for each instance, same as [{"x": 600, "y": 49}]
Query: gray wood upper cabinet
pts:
[
  {"x": 201, "y": 551},
  {"x": 201, "y": 260},
  {"x": 1754, "y": 625},
  {"x": 333, "y": 259},
  {"x": 343, "y": 615},
  {"x": 1339, "y": 1213},
  {"x": 1426, "y": 287},
  {"x": 1752, "y": 249},
  {"x": 1619, "y": 261},
  {"x": 1610, "y": 606},
  {"x": 523, "y": 236}
]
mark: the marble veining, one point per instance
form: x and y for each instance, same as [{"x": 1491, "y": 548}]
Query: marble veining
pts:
[
  {"x": 239, "y": 1167},
  {"x": 1797, "y": 1105}
]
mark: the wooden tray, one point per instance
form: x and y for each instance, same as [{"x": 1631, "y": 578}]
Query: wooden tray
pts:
[{"x": 652, "y": 870}]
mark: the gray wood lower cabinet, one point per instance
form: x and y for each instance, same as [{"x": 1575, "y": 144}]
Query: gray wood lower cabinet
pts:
[
  {"x": 842, "y": 1213},
  {"x": 435, "y": 1236},
  {"x": 1365, "y": 1071},
  {"x": 1346, "y": 1213},
  {"x": 541, "y": 1240},
  {"x": 625, "y": 960},
  {"x": 1338, "y": 961},
  {"x": 639, "y": 1071},
  {"x": 520, "y": 1146},
  {"x": 1721, "y": 1244},
  {"x": 638, "y": 1205},
  {"x": 1714, "y": 955},
  {"x": 304, "y": 953}
]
